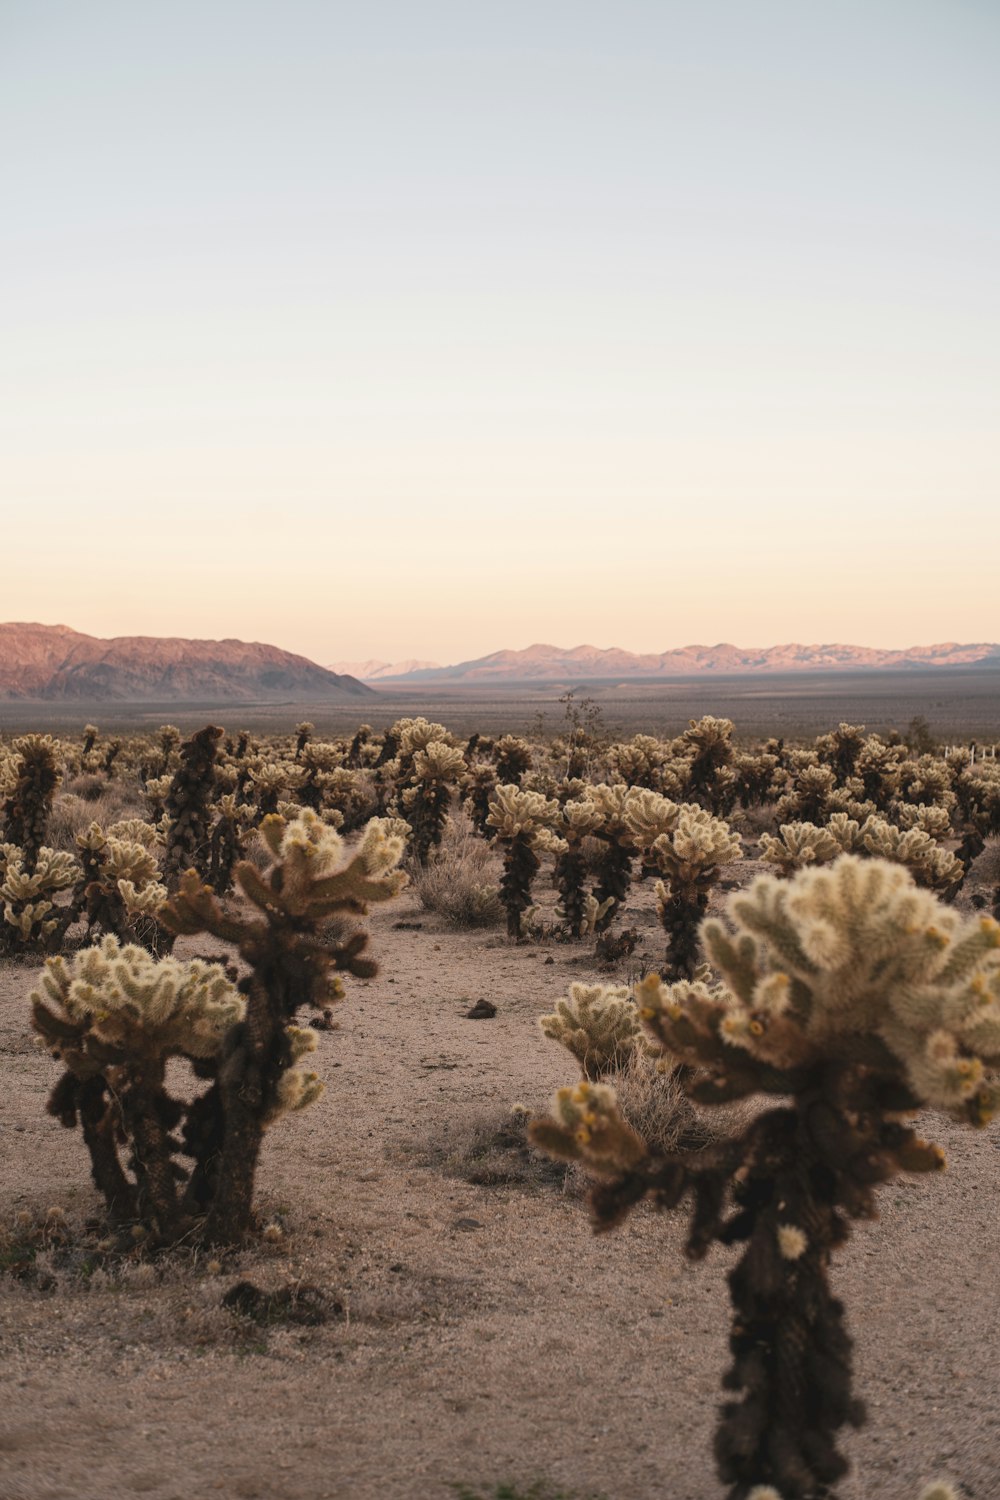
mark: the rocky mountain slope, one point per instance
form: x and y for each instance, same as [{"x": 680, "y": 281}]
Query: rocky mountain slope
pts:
[
  {"x": 591, "y": 663},
  {"x": 53, "y": 662}
]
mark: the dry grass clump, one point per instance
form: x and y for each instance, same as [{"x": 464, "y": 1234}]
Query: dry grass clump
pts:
[
  {"x": 654, "y": 1104},
  {"x": 461, "y": 885},
  {"x": 493, "y": 1150},
  {"x": 73, "y": 811}
]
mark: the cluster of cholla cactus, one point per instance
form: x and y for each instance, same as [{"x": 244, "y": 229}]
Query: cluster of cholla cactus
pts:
[
  {"x": 286, "y": 944},
  {"x": 798, "y": 845},
  {"x": 617, "y": 844},
  {"x": 513, "y": 758},
  {"x": 32, "y": 919},
  {"x": 852, "y": 998},
  {"x": 690, "y": 848},
  {"x": 24, "y": 816},
  {"x": 115, "y": 1016},
  {"x": 119, "y": 891},
  {"x": 521, "y": 820}
]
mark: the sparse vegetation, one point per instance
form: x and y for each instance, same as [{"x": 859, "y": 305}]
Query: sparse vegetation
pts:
[{"x": 711, "y": 1085}]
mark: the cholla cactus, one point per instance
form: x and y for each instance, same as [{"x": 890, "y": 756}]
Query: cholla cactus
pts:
[
  {"x": 598, "y": 1023},
  {"x": 637, "y": 762},
  {"x": 114, "y": 1017},
  {"x": 479, "y": 786},
  {"x": 798, "y": 845},
  {"x": 112, "y": 750},
  {"x": 808, "y": 799},
  {"x": 292, "y": 962},
  {"x": 841, "y": 750},
  {"x": 169, "y": 739},
  {"x": 618, "y": 845},
  {"x": 855, "y": 998},
  {"x": 24, "y": 817},
  {"x": 316, "y": 763},
  {"x": 436, "y": 770},
  {"x": 708, "y": 745},
  {"x": 977, "y": 789},
  {"x": 188, "y": 804},
  {"x": 231, "y": 823},
  {"x": 689, "y": 848},
  {"x": 513, "y": 757},
  {"x": 879, "y": 768},
  {"x": 31, "y": 918},
  {"x": 576, "y": 912},
  {"x": 928, "y": 781},
  {"x": 520, "y": 819},
  {"x": 358, "y": 747},
  {"x": 303, "y": 734},
  {"x": 269, "y": 779},
  {"x": 755, "y": 776},
  {"x": 648, "y": 815},
  {"x": 119, "y": 891},
  {"x": 932, "y": 819},
  {"x": 929, "y": 864}
]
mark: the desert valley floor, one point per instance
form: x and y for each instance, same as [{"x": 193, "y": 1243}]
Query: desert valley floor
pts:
[{"x": 484, "y": 1334}]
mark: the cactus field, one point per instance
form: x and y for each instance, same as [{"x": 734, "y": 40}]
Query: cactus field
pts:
[{"x": 407, "y": 1112}]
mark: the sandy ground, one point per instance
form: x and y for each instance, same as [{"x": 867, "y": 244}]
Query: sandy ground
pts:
[{"x": 486, "y": 1334}]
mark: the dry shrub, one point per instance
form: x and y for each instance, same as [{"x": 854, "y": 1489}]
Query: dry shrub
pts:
[
  {"x": 462, "y": 884},
  {"x": 656, "y": 1107},
  {"x": 73, "y": 813},
  {"x": 493, "y": 1150},
  {"x": 751, "y": 822}
]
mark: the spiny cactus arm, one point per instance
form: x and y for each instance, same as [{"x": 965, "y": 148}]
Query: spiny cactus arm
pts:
[
  {"x": 705, "y": 1029},
  {"x": 350, "y": 889},
  {"x": 193, "y": 908},
  {"x": 585, "y": 1125}
]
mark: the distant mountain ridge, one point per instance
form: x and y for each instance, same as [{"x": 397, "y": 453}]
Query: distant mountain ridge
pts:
[
  {"x": 371, "y": 671},
  {"x": 52, "y": 663},
  {"x": 593, "y": 663}
]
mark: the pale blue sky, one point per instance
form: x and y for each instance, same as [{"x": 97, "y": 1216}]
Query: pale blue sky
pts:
[{"x": 426, "y": 328}]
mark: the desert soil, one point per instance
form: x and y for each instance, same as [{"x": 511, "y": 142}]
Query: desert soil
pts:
[{"x": 486, "y": 1334}]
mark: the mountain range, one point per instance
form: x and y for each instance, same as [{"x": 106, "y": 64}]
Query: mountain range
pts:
[
  {"x": 371, "y": 671},
  {"x": 53, "y": 662},
  {"x": 594, "y": 664}
]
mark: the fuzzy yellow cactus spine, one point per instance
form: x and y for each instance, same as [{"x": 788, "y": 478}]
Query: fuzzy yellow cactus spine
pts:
[
  {"x": 293, "y": 963},
  {"x": 853, "y": 997}
]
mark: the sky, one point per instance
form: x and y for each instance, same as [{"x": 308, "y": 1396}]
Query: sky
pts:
[{"x": 425, "y": 328}]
